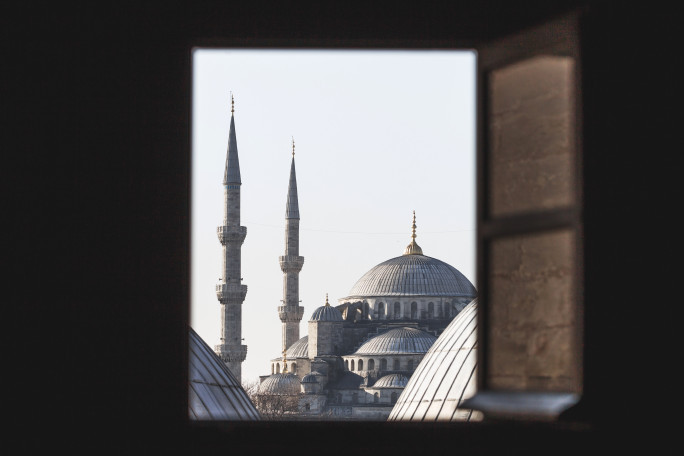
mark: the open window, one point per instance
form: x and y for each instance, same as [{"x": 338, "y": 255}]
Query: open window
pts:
[{"x": 529, "y": 239}]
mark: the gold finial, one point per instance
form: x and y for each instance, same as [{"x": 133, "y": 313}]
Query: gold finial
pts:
[
  {"x": 232, "y": 103},
  {"x": 293, "y": 147},
  {"x": 326, "y": 300},
  {"x": 284, "y": 361},
  {"x": 413, "y": 248}
]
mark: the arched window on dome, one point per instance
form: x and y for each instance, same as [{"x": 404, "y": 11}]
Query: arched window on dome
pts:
[
  {"x": 383, "y": 364},
  {"x": 396, "y": 364},
  {"x": 381, "y": 311},
  {"x": 346, "y": 364},
  {"x": 360, "y": 364},
  {"x": 293, "y": 368},
  {"x": 409, "y": 364},
  {"x": 371, "y": 364},
  {"x": 365, "y": 310},
  {"x": 414, "y": 310},
  {"x": 352, "y": 365},
  {"x": 431, "y": 310},
  {"x": 376, "y": 398},
  {"x": 397, "y": 311},
  {"x": 447, "y": 310},
  {"x": 277, "y": 368},
  {"x": 393, "y": 398},
  {"x": 440, "y": 312},
  {"x": 272, "y": 369}
]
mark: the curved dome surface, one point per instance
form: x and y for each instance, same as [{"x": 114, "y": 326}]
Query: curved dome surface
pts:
[
  {"x": 299, "y": 349},
  {"x": 391, "y": 381},
  {"x": 445, "y": 377},
  {"x": 214, "y": 393},
  {"x": 310, "y": 378},
  {"x": 281, "y": 384},
  {"x": 398, "y": 341},
  {"x": 413, "y": 275},
  {"x": 326, "y": 313}
]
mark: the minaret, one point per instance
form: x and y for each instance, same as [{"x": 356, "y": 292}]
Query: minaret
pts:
[
  {"x": 230, "y": 291},
  {"x": 291, "y": 312}
]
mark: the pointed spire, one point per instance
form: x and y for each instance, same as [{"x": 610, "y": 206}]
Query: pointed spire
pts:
[
  {"x": 232, "y": 172},
  {"x": 413, "y": 248},
  {"x": 292, "y": 206}
]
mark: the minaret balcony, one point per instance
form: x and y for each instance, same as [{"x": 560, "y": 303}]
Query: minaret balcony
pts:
[
  {"x": 290, "y": 313},
  {"x": 231, "y": 353},
  {"x": 291, "y": 263},
  {"x": 231, "y": 234},
  {"x": 230, "y": 293}
]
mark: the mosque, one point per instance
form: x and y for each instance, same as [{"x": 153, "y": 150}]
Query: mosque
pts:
[{"x": 361, "y": 353}]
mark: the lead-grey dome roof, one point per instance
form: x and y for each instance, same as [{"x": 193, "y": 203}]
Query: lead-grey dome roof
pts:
[
  {"x": 299, "y": 349},
  {"x": 282, "y": 384},
  {"x": 326, "y": 313},
  {"x": 445, "y": 377},
  {"x": 412, "y": 275},
  {"x": 214, "y": 393},
  {"x": 391, "y": 381},
  {"x": 398, "y": 341}
]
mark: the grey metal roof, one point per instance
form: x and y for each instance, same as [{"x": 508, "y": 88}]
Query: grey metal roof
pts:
[
  {"x": 391, "y": 381},
  {"x": 413, "y": 275},
  {"x": 292, "y": 206},
  {"x": 326, "y": 313},
  {"x": 310, "y": 378},
  {"x": 299, "y": 349},
  {"x": 214, "y": 393},
  {"x": 283, "y": 384},
  {"x": 232, "y": 172},
  {"x": 445, "y": 377},
  {"x": 397, "y": 341}
]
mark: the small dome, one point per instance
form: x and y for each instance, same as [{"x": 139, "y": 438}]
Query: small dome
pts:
[
  {"x": 282, "y": 384},
  {"x": 310, "y": 378},
  {"x": 398, "y": 341},
  {"x": 391, "y": 381},
  {"x": 326, "y": 313}
]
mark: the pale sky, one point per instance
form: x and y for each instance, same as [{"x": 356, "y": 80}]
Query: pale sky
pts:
[{"x": 378, "y": 134}]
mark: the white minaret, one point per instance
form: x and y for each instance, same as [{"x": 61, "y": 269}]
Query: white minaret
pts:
[
  {"x": 291, "y": 312},
  {"x": 230, "y": 291}
]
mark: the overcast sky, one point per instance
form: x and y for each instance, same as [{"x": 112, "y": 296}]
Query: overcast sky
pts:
[{"x": 378, "y": 134}]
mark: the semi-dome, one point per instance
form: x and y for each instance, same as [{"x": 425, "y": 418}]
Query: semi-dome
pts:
[
  {"x": 391, "y": 381},
  {"x": 398, "y": 341},
  {"x": 326, "y": 313},
  {"x": 285, "y": 384},
  {"x": 299, "y": 349},
  {"x": 445, "y": 377}
]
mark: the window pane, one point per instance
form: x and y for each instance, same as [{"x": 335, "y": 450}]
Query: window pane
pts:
[
  {"x": 531, "y": 135},
  {"x": 532, "y": 320}
]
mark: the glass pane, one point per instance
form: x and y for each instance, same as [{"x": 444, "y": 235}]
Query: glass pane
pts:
[
  {"x": 531, "y": 139},
  {"x": 532, "y": 341}
]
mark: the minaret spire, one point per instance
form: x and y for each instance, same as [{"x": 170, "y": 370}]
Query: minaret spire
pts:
[
  {"x": 291, "y": 263},
  {"x": 230, "y": 291}
]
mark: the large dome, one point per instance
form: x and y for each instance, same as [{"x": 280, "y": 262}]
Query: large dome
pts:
[
  {"x": 398, "y": 341},
  {"x": 413, "y": 275}
]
